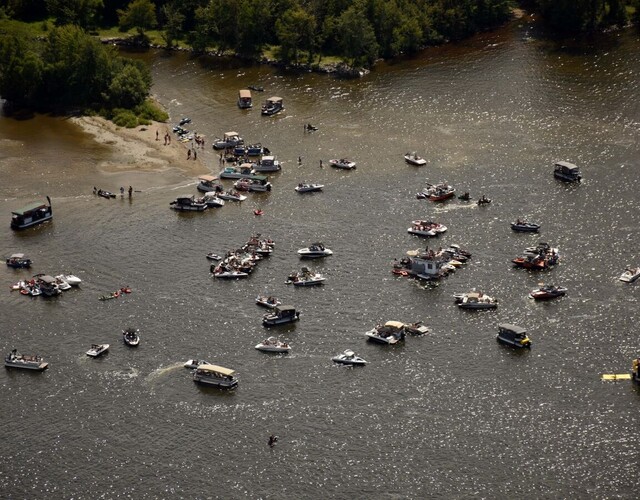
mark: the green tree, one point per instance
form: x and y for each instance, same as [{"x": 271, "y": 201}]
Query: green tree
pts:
[
  {"x": 173, "y": 21},
  {"x": 357, "y": 40},
  {"x": 128, "y": 88},
  {"x": 253, "y": 31},
  {"x": 80, "y": 12},
  {"x": 20, "y": 71},
  {"x": 296, "y": 32},
  {"x": 140, "y": 14}
]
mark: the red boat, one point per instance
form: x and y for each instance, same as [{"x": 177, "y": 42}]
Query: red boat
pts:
[
  {"x": 535, "y": 263},
  {"x": 440, "y": 192},
  {"x": 546, "y": 292}
]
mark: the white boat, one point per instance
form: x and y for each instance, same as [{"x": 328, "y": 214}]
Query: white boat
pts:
[
  {"x": 436, "y": 227},
  {"x": 418, "y": 230},
  {"x": 476, "y": 300},
  {"x": 349, "y": 357},
  {"x": 70, "y": 278},
  {"x": 25, "y": 362},
  {"x": 343, "y": 163},
  {"x": 630, "y": 275},
  {"x": 417, "y": 328},
  {"x": 390, "y": 333},
  {"x": 259, "y": 185},
  {"x": 413, "y": 159},
  {"x": 267, "y": 164},
  {"x": 131, "y": 337},
  {"x": 97, "y": 350},
  {"x": 305, "y": 278},
  {"x": 229, "y": 275},
  {"x": 192, "y": 364},
  {"x": 267, "y": 301},
  {"x": 231, "y": 196},
  {"x": 188, "y": 203},
  {"x": 314, "y": 251},
  {"x": 62, "y": 284},
  {"x": 216, "y": 376},
  {"x": 305, "y": 187},
  {"x": 212, "y": 200},
  {"x": 272, "y": 344}
]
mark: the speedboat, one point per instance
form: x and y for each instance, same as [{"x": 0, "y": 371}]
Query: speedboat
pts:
[
  {"x": 211, "y": 199},
  {"x": 438, "y": 192},
  {"x": 426, "y": 228},
  {"x": 476, "y": 300},
  {"x": 69, "y": 278},
  {"x": 231, "y": 196},
  {"x": 417, "y": 328},
  {"x": 525, "y": 227},
  {"x": 269, "y": 302},
  {"x": 258, "y": 185},
  {"x": 349, "y": 357},
  {"x": 131, "y": 337},
  {"x": 315, "y": 250},
  {"x": 97, "y": 350},
  {"x": 436, "y": 226},
  {"x": 105, "y": 194},
  {"x": 62, "y": 284},
  {"x": 216, "y": 376},
  {"x": 343, "y": 163},
  {"x": 281, "y": 315},
  {"x": 229, "y": 274},
  {"x": 417, "y": 230},
  {"x": 194, "y": 363},
  {"x": 26, "y": 362},
  {"x": 272, "y": 344},
  {"x": 213, "y": 256},
  {"x": 304, "y": 187},
  {"x": 513, "y": 335},
  {"x": 547, "y": 292},
  {"x": 566, "y": 171},
  {"x": 413, "y": 159},
  {"x": 630, "y": 275},
  {"x": 18, "y": 261},
  {"x": 391, "y": 332},
  {"x": 305, "y": 278},
  {"x": 530, "y": 262}
]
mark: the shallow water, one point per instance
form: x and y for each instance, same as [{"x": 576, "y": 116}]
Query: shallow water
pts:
[{"x": 450, "y": 414}]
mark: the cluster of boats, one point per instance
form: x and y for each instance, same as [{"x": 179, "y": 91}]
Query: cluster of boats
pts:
[
  {"x": 240, "y": 263},
  {"x": 538, "y": 258},
  {"x": 393, "y": 332},
  {"x": 429, "y": 264},
  {"x": 46, "y": 285}
]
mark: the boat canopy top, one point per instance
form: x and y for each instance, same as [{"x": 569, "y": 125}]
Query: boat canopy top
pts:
[
  {"x": 227, "y": 372},
  {"x": 274, "y": 100},
  {"x": 268, "y": 159},
  {"x": 207, "y": 178},
  {"x": 566, "y": 165},
  {"x": 394, "y": 324},
  {"x": 513, "y": 328},
  {"x": 30, "y": 208},
  {"x": 17, "y": 256},
  {"x": 47, "y": 279},
  {"x": 285, "y": 308},
  {"x": 245, "y": 94},
  {"x": 247, "y": 165},
  {"x": 230, "y": 135}
]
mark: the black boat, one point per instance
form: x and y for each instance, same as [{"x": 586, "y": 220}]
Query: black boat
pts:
[
  {"x": 567, "y": 172},
  {"x": 513, "y": 335},
  {"x": 131, "y": 337},
  {"x": 525, "y": 227},
  {"x": 18, "y": 261},
  {"x": 32, "y": 214},
  {"x": 105, "y": 194}
]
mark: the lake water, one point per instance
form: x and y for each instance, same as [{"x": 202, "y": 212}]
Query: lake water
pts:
[{"x": 451, "y": 414}]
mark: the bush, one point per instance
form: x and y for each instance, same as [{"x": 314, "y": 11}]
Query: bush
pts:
[
  {"x": 125, "y": 118},
  {"x": 150, "y": 111}
]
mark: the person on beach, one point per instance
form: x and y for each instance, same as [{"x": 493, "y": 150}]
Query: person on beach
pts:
[
  {"x": 195, "y": 155},
  {"x": 189, "y": 154},
  {"x": 95, "y": 190},
  {"x": 165, "y": 138},
  {"x": 157, "y": 135},
  {"x": 299, "y": 160}
]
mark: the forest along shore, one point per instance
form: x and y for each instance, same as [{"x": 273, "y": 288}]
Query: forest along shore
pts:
[{"x": 146, "y": 150}]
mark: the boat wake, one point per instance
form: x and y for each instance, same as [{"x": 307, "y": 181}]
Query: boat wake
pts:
[
  {"x": 156, "y": 374},
  {"x": 129, "y": 373}
]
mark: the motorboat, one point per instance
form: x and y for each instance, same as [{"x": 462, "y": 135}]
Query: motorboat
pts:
[
  {"x": 213, "y": 256},
  {"x": 281, "y": 315},
  {"x": 421, "y": 231},
  {"x": 438, "y": 192},
  {"x": 216, "y": 376},
  {"x": 256, "y": 88},
  {"x": 272, "y": 106},
  {"x": 69, "y": 278},
  {"x": 343, "y": 163},
  {"x": 184, "y": 121},
  {"x": 426, "y": 228},
  {"x": 531, "y": 262},
  {"x": 207, "y": 183},
  {"x": 253, "y": 185},
  {"x": 212, "y": 200},
  {"x": 267, "y": 164},
  {"x": 513, "y": 335},
  {"x": 32, "y": 214},
  {"x": 62, "y": 284},
  {"x": 229, "y": 140},
  {"x": 25, "y": 362},
  {"x": 255, "y": 150},
  {"x": 192, "y": 364},
  {"x": 630, "y": 275},
  {"x": 477, "y": 300},
  {"x": 229, "y": 274},
  {"x": 305, "y": 187},
  {"x": 523, "y": 226},
  {"x": 272, "y": 344},
  {"x": 413, "y": 159},
  {"x": 19, "y": 261},
  {"x": 47, "y": 285},
  {"x": 188, "y": 203},
  {"x": 267, "y": 301},
  {"x": 244, "y": 171},
  {"x": 417, "y": 328},
  {"x": 97, "y": 350},
  {"x": 314, "y": 251},
  {"x": 484, "y": 201},
  {"x": 305, "y": 278},
  {"x": 349, "y": 357},
  {"x": 131, "y": 337},
  {"x": 545, "y": 292},
  {"x": 231, "y": 196},
  {"x": 565, "y": 171},
  {"x": 390, "y": 333},
  {"x": 244, "y": 99},
  {"x": 258, "y": 211}
]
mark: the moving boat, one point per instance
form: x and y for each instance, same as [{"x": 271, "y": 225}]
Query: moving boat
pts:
[
  {"x": 426, "y": 228},
  {"x": 476, "y": 300},
  {"x": 230, "y": 274},
  {"x": 131, "y": 337},
  {"x": 343, "y": 163},
  {"x": 244, "y": 99},
  {"x": 272, "y": 344},
  {"x": 188, "y": 203},
  {"x": 208, "y": 183},
  {"x": 194, "y": 363},
  {"x": 566, "y": 171},
  {"x": 391, "y": 332},
  {"x": 267, "y": 164},
  {"x": 417, "y": 328},
  {"x": 305, "y": 278},
  {"x": 272, "y": 106},
  {"x": 304, "y": 187},
  {"x": 231, "y": 196},
  {"x": 513, "y": 335},
  {"x": 19, "y": 261},
  {"x": 216, "y": 376},
  {"x": 314, "y": 251},
  {"x": 269, "y": 302},
  {"x": 253, "y": 185},
  {"x": 25, "y": 362},
  {"x": 524, "y": 226},
  {"x": 630, "y": 275},
  {"x": 229, "y": 140},
  {"x": 32, "y": 214},
  {"x": 97, "y": 350},
  {"x": 213, "y": 256},
  {"x": 413, "y": 159},
  {"x": 280, "y": 316},
  {"x": 349, "y": 357},
  {"x": 438, "y": 192},
  {"x": 547, "y": 292}
]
